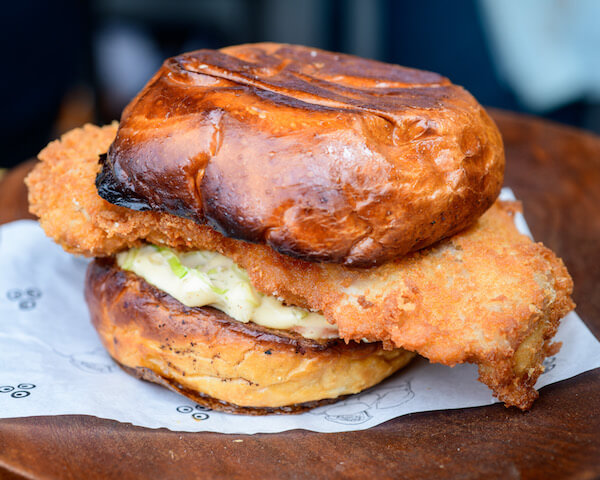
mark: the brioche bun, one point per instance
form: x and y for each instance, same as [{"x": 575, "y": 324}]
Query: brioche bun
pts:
[
  {"x": 219, "y": 362},
  {"x": 322, "y": 156}
]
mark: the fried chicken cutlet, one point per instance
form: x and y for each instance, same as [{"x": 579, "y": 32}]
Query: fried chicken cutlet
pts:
[{"x": 488, "y": 295}]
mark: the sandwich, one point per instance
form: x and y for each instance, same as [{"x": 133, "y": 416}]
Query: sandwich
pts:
[{"x": 274, "y": 227}]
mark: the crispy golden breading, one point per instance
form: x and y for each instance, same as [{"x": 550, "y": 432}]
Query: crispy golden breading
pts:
[{"x": 488, "y": 295}]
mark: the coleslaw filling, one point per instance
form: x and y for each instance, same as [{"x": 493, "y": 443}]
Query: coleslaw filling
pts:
[{"x": 204, "y": 278}]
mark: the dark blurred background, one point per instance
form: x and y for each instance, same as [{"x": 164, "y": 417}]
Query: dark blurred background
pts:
[{"x": 67, "y": 62}]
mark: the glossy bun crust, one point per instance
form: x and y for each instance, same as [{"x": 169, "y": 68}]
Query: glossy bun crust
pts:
[
  {"x": 226, "y": 365},
  {"x": 322, "y": 156}
]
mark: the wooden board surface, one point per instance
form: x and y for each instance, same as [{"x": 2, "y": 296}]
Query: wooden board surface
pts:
[{"x": 555, "y": 171}]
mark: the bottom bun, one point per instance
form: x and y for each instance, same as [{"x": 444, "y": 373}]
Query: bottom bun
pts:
[{"x": 218, "y": 362}]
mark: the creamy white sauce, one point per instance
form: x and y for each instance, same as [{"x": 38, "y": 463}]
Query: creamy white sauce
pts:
[{"x": 204, "y": 278}]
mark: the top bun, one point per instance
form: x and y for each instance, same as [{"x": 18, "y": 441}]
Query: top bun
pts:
[{"x": 322, "y": 156}]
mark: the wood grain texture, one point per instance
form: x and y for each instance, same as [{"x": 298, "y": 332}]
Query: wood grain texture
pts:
[
  {"x": 13, "y": 193},
  {"x": 555, "y": 171}
]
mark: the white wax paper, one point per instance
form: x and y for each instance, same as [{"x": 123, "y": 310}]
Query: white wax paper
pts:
[{"x": 52, "y": 363}]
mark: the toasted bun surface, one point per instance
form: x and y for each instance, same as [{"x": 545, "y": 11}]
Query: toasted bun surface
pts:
[
  {"x": 322, "y": 156},
  {"x": 218, "y": 362}
]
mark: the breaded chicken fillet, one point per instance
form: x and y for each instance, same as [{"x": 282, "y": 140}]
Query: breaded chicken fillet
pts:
[{"x": 488, "y": 295}]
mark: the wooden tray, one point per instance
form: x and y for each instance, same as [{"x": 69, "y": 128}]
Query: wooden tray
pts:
[{"x": 555, "y": 171}]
